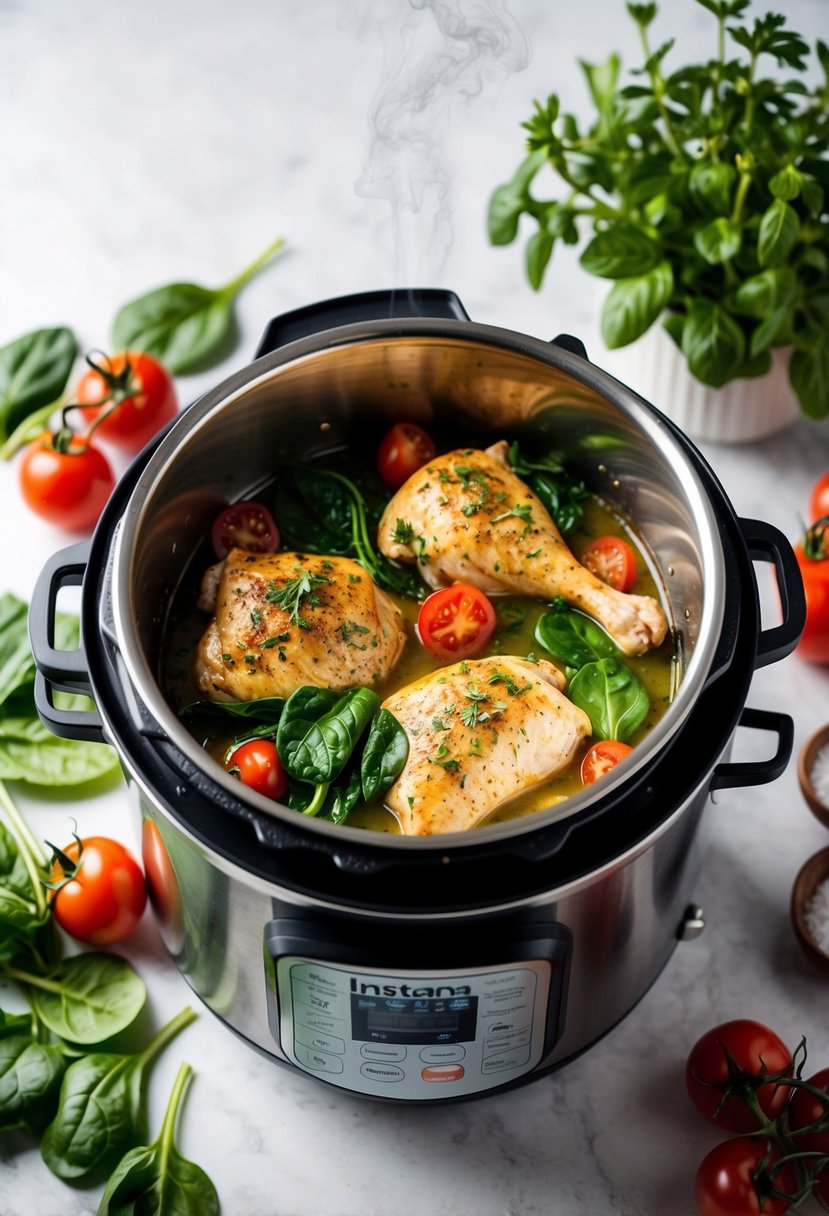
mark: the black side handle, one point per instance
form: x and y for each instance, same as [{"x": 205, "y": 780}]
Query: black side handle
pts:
[
  {"x": 758, "y": 772},
  {"x": 60, "y": 670},
  {"x": 766, "y": 543},
  {"x": 574, "y": 345},
  {"x": 364, "y": 306}
]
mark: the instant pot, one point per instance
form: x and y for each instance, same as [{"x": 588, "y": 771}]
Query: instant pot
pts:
[{"x": 439, "y": 968}]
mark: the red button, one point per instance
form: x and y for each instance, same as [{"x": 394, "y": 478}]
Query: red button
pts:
[{"x": 445, "y": 1072}]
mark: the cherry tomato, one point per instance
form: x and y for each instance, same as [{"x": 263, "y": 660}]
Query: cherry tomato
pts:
[
  {"x": 138, "y": 417},
  {"x": 162, "y": 884},
  {"x": 754, "y": 1049},
  {"x": 104, "y": 896},
  {"x": 813, "y": 559},
  {"x": 456, "y": 622},
  {"x": 728, "y": 1182},
  {"x": 257, "y": 765},
  {"x": 805, "y": 1109},
  {"x": 601, "y": 758},
  {"x": 405, "y": 449},
  {"x": 612, "y": 560},
  {"x": 819, "y": 498},
  {"x": 66, "y": 488},
  {"x": 245, "y": 525}
]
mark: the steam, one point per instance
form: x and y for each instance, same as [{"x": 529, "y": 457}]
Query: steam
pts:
[{"x": 439, "y": 54}]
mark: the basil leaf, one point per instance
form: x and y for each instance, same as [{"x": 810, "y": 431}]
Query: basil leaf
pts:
[
  {"x": 509, "y": 200},
  {"x": 763, "y": 292},
  {"x": 634, "y": 304},
  {"x": 538, "y": 253},
  {"x": 613, "y": 697},
  {"x": 712, "y": 342},
  {"x": 324, "y": 751},
  {"x": 89, "y": 998},
  {"x": 573, "y": 639},
  {"x": 711, "y": 184},
  {"x": 156, "y": 1180},
  {"x": 302, "y": 709},
  {"x": 186, "y": 326},
  {"x": 30, "y": 1076},
  {"x": 718, "y": 241},
  {"x": 33, "y": 373},
  {"x": 787, "y": 184},
  {"x": 620, "y": 253},
  {"x": 809, "y": 376},
  {"x": 384, "y": 756},
  {"x": 779, "y": 228}
]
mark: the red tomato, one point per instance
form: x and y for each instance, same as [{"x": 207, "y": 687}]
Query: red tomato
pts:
[
  {"x": 405, "y": 449},
  {"x": 729, "y": 1182},
  {"x": 756, "y": 1050},
  {"x": 104, "y": 896},
  {"x": 162, "y": 883},
  {"x": 245, "y": 525},
  {"x": 813, "y": 559},
  {"x": 257, "y": 765},
  {"x": 67, "y": 488},
  {"x": 612, "y": 560},
  {"x": 819, "y": 499},
  {"x": 601, "y": 758},
  {"x": 151, "y": 401},
  {"x": 805, "y": 1109},
  {"x": 456, "y": 622}
]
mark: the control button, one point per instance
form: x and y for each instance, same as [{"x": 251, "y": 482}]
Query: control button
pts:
[
  {"x": 377, "y": 1051},
  {"x": 506, "y": 1060},
  {"x": 382, "y": 1072},
  {"x": 319, "y": 1042},
  {"x": 506, "y": 1042},
  {"x": 317, "y": 1060},
  {"x": 321, "y": 1000},
  {"x": 442, "y": 1055},
  {"x": 304, "y": 1015},
  {"x": 443, "y": 1072}
]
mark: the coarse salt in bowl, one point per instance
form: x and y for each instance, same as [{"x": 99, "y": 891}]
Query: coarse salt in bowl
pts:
[
  {"x": 810, "y": 909},
  {"x": 813, "y": 774}
]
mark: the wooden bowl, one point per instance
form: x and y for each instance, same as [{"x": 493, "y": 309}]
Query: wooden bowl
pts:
[
  {"x": 812, "y": 874},
  {"x": 805, "y": 764}
]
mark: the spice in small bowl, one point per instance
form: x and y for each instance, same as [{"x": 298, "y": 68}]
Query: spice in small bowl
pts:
[
  {"x": 813, "y": 774},
  {"x": 810, "y": 909}
]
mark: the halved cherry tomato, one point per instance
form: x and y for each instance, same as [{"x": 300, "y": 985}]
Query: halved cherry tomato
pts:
[
  {"x": 257, "y": 765},
  {"x": 246, "y": 525},
  {"x": 104, "y": 894},
  {"x": 456, "y": 622},
  {"x": 67, "y": 488},
  {"x": 819, "y": 499},
  {"x": 756, "y": 1050},
  {"x": 138, "y": 416},
  {"x": 601, "y": 758},
  {"x": 612, "y": 560},
  {"x": 405, "y": 449}
]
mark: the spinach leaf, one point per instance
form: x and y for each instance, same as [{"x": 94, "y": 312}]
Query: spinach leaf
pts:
[
  {"x": 16, "y": 663},
  {"x": 302, "y": 709},
  {"x": 385, "y": 753},
  {"x": 314, "y": 512},
  {"x": 613, "y": 697},
  {"x": 157, "y": 1180},
  {"x": 30, "y": 1076},
  {"x": 265, "y": 710},
  {"x": 559, "y": 492},
  {"x": 324, "y": 751},
  {"x": 33, "y": 373},
  {"x": 186, "y": 326},
  {"x": 47, "y": 760},
  {"x": 23, "y": 906},
  {"x": 89, "y": 998},
  {"x": 101, "y": 1113},
  {"x": 15, "y": 1023},
  {"x": 573, "y": 639},
  {"x": 343, "y": 797}
]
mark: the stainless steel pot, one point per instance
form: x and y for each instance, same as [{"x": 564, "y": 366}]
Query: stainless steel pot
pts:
[{"x": 565, "y": 917}]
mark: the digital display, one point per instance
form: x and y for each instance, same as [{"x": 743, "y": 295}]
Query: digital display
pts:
[{"x": 383, "y": 1019}]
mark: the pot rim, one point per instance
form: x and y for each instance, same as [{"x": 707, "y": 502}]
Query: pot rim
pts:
[{"x": 656, "y": 430}]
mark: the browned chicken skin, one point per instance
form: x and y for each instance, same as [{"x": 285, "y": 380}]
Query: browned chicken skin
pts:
[
  {"x": 342, "y": 631},
  {"x": 480, "y": 733},
  {"x": 465, "y": 516}
]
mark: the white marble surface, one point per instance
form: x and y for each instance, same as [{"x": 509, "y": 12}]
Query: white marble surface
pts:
[{"x": 173, "y": 138}]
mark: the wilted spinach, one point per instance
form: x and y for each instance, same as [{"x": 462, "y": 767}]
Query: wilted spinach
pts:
[
  {"x": 573, "y": 639},
  {"x": 560, "y": 493},
  {"x": 385, "y": 753},
  {"x": 157, "y": 1180},
  {"x": 613, "y": 697}
]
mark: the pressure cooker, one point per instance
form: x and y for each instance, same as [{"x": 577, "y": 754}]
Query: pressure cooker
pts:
[{"x": 444, "y": 967}]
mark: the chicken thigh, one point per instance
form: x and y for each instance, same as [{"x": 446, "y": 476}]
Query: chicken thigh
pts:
[
  {"x": 465, "y": 516},
  {"x": 282, "y": 620},
  {"x": 480, "y": 733}
]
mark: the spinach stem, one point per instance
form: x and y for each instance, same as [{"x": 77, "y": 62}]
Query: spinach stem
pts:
[
  {"x": 33, "y": 858},
  {"x": 231, "y": 288},
  {"x": 168, "y": 1032},
  {"x": 316, "y": 803},
  {"x": 34, "y": 981},
  {"x": 29, "y": 429},
  {"x": 166, "y": 1137}
]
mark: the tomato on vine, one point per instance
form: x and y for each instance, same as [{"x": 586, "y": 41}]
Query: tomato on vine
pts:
[
  {"x": 99, "y": 890},
  {"x": 743, "y": 1177},
  {"x": 65, "y": 480},
  {"x": 728, "y": 1064},
  {"x": 127, "y": 397}
]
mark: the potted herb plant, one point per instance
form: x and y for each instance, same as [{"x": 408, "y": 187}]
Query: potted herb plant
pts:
[{"x": 704, "y": 194}]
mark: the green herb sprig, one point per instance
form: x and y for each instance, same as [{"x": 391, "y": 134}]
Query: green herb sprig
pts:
[{"x": 704, "y": 191}]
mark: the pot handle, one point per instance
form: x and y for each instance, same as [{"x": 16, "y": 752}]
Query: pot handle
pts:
[
  {"x": 767, "y": 543},
  {"x": 60, "y": 670},
  {"x": 364, "y": 306},
  {"x": 758, "y": 772}
]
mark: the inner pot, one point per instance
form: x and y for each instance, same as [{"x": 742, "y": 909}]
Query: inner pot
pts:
[{"x": 476, "y": 384}]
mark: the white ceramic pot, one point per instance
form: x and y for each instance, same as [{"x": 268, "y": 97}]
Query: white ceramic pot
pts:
[{"x": 739, "y": 412}]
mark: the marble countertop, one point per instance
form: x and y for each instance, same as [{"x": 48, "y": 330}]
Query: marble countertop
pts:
[{"x": 173, "y": 139}]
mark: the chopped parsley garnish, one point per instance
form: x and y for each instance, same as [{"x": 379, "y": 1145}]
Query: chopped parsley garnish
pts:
[
  {"x": 348, "y": 628},
  {"x": 467, "y": 475},
  {"x": 444, "y": 760},
  {"x": 521, "y": 510},
  {"x": 274, "y": 640},
  {"x": 439, "y": 724},
  {"x": 503, "y": 677},
  {"x": 256, "y": 617},
  {"x": 403, "y": 532},
  {"x": 291, "y": 594}
]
